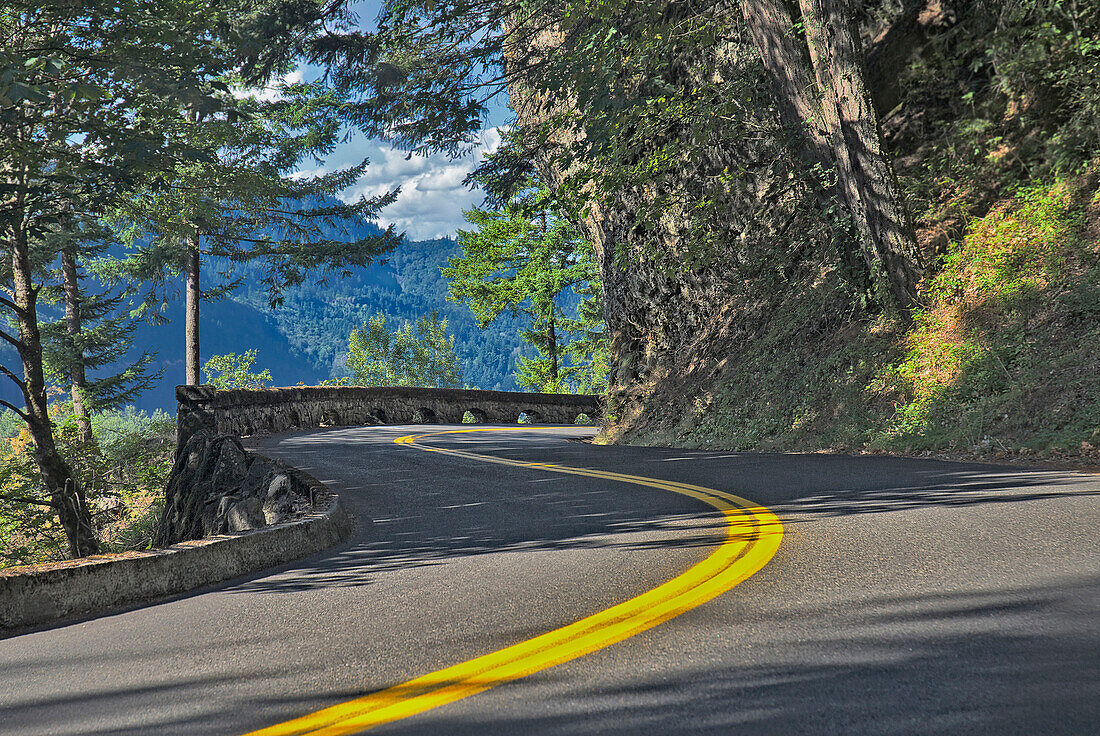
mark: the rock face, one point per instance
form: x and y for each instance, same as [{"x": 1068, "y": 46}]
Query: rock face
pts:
[
  {"x": 216, "y": 487},
  {"x": 662, "y": 292}
]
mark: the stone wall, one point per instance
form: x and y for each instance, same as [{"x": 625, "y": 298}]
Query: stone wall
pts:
[
  {"x": 243, "y": 412},
  {"x": 37, "y": 595}
]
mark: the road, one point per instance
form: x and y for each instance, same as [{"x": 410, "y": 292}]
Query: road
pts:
[{"x": 907, "y": 596}]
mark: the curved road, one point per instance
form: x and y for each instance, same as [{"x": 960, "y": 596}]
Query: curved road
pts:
[{"x": 908, "y": 596}]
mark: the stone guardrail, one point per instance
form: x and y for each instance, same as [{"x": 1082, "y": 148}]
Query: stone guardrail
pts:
[
  {"x": 41, "y": 594},
  {"x": 244, "y": 412}
]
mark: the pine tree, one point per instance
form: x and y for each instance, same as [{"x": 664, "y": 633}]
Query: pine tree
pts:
[
  {"x": 239, "y": 199},
  {"x": 96, "y": 331},
  {"x": 94, "y": 103},
  {"x": 522, "y": 259}
]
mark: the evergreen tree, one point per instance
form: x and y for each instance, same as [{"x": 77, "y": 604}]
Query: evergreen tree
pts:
[
  {"x": 522, "y": 259},
  {"x": 88, "y": 99},
  {"x": 590, "y": 352},
  {"x": 127, "y": 108},
  {"x": 240, "y": 199},
  {"x": 95, "y": 332}
]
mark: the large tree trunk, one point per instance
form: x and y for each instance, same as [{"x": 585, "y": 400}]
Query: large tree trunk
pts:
[
  {"x": 787, "y": 63},
  {"x": 820, "y": 88},
  {"x": 66, "y": 495},
  {"x": 70, "y": 280},
  {"x": 866, "y": 176},
  {"x": 191, "y": 326}
]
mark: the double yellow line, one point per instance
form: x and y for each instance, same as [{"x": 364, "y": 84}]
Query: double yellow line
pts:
[{"x": 752, "y": 537}]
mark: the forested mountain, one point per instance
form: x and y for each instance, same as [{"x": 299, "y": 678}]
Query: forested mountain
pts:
[
  {"x": 304, "y": 340},
  {"x": 316, "y": 318}
]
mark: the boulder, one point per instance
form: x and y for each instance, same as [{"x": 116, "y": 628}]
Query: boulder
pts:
[
  {"x": 278, "y": 503},
  {"x": 216, "y": 487},
  {"x": 246, "y": 515}
]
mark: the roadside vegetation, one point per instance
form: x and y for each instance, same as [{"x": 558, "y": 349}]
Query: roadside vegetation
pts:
[
  {"x": 235, "y": 371},
  {"x": 527, "y": 261},
  {"x": 123, "y": 469},
  {"x": 421, "y": 354},
  {"x": 1001, "y": 363}
]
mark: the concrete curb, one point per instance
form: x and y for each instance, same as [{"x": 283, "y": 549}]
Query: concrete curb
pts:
[{"x": 42, "y": 594}]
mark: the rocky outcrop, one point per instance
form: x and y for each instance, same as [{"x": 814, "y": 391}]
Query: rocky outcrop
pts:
[{"x": 216, "y": 487}]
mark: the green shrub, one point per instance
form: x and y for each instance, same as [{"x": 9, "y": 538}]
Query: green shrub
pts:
[{"x": 123, "y": 472}]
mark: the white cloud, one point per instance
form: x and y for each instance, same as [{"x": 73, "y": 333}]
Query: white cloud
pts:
[
  {"x": 432, "y": 194},
  {"x": 272, "y": 92}
]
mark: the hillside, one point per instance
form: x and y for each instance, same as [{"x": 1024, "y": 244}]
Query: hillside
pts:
[
  {"x": 876, "y": 233},
  {"x": 1001, "y": 362}
]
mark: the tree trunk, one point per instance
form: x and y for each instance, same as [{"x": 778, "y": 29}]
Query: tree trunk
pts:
[
  {"x": 787, "y": 64},
  {"x": 866, "y": 177},
  {"x": 839, "y": 127},
  {"x": 552, "y": 340},
  {"x": 66, "y": 495},
  {"x": 191, "y": 327},
  {"x": 771, "y": 23},
  {"x": 70, "y": 280}
]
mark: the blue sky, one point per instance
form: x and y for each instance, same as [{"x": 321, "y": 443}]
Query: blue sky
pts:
[{"x": 432, "y": 195}]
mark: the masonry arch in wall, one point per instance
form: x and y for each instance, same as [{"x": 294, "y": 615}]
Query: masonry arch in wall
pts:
[
  {"x": 477, "y": 416},
  {"x": 425, "y": 415},
  {"x": 532, "y": 417}
]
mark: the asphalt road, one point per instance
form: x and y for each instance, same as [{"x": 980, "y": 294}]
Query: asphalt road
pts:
[{"x": 908, "y": 597}]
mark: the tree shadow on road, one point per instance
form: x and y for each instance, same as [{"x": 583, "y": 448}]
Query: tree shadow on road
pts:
[
  {"x": 1012, "y": 661},
  {"x": 475, "y": 517}
]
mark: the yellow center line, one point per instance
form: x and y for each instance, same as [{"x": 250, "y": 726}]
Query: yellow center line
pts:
[{"x": 753, "y": 534}]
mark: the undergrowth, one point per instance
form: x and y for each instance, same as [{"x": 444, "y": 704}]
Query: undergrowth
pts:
[
  {"x": 123, "y": 471},
  {"x": 1003, "y": 359}
]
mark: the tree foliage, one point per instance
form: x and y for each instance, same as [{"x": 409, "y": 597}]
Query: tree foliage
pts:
[
  {"x": 90, "y": 94},
  {"x": 526, "y": 260},
  {"x": 240, "y": 197},
  {"x": 137, "y": 112},
  {"x": 234, "y": 371},
  {"x": 412, "y": 355},
  {"x": 96, "y": 330}
]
